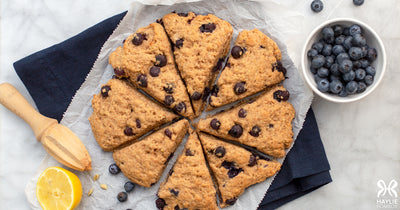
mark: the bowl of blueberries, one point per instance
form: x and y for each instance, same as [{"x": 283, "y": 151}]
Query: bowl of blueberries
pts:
[{"x": 343, "y": 60}]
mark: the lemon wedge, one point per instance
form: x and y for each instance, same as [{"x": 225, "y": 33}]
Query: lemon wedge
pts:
[{"x": 58, "y": 188}]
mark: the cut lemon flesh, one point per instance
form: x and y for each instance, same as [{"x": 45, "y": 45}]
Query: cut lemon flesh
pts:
[{"x": 59, "y": 189}]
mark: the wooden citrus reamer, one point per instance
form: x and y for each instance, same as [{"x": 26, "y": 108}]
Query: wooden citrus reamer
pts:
[{"x": 58, "y": 140}]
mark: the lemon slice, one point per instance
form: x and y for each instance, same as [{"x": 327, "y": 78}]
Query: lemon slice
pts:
[{"x": 58, "y": 188}]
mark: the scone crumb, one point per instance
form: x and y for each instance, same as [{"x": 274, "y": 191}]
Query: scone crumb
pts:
[
  {"x": 90, "y": 192},
  {"x": 96, "y": 177},
  {"x": 103, "y": 186}
]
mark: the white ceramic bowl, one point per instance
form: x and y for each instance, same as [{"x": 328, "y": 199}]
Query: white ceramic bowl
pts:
[{"x": 373, "y": 40}]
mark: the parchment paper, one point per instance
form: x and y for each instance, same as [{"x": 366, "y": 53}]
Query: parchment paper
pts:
[{"x": 242, "y": 15}]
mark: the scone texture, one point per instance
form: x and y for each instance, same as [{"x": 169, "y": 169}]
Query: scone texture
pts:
[
  {"x": 253, "y": 65},
  {"x": 144, "y": 161},
  {"x": 264, "y": 123},
  {"x": 122, "y": 114},
  {"x": 189, "y": 184},
  {"x": 201, "y": 43},
  {"x": 235, "y": 168},
  {"x": 146, "y": 59}
]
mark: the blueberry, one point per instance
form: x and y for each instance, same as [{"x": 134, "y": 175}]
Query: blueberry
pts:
[
  {"x": 347, "y": 44},
  {"x": 338, "y": 30},
  {"x": 370, "y": 70},
  {"x": 356, "y": 64},
  {"x": 313, "y": 70},
  {"x": 364, "y": 50},
  {"x": 327, "y": 50},
  {"x": 129, "y": 186},
  {"x": 354, "y": 29},
  {"x": 328, "y": 34},
  {"x": 345, "y": 66},
  {"x": 359, "y": 40},
  {"x": 318, "y": 46},
  {"x": 337, "y": 49},
  {"x": 371, "y": 54},
  {"x": 114, "y": 169},
  {"x": 340, "y": 39},
  {"x": 346, "y": 31},
  {"x": 360, "y": 74},
  {"x": 329, "y": 60},
  {"x": 317, "y": 5},
  {"x": 323, "y": 72},
  {"x": 351, "y": 87},
  {"x": 343, "y": 93},
  {"x": 361, "y": 87},
  {"x": 355, "y": 53},
  {"x": 335, "y": 86},
  {"x": 358, "y": 2},
  {"x": 317, "y": 78},
  {"x": 341, "y": 57},
  {"x": 122, "y": 196},
  {"x": 333, "y": 77},
  {"x": 364, "y": 63},
  {"x": 312, "y": 53},
  {"x": 318, "y": 61},
  {"x": 335, "y": 69},
  {"x": 368, "y": 80},
  {"x": 323, "y": 85},
  {"x": 349, "y": 76}
]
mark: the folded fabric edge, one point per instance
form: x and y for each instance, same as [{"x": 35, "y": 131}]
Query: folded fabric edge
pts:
[
  {"x": 295, "y": 189},
  {"x": 27, "y": 67}
]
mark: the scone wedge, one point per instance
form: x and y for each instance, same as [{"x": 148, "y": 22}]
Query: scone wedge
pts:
[
  {"x": 189, "y": 184},
  {"x": 146, "y": 60},
  {"x": 264, "y": 123},
  {"x": 144, "y": 161},
  {"x": 253, "y": 65},
  {"x": 235, "y": 168},
  {"x": 201, "y": 43},
  {"x": 121, "y": 114}
]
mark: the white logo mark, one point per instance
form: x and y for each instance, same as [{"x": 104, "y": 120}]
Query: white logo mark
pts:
[{"x": 389, "y": 189}]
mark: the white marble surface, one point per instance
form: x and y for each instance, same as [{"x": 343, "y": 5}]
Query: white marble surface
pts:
[{"x": 362, "y": 139}]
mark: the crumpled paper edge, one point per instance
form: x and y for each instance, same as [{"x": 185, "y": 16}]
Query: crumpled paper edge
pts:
[{"x": 249, "y": 199}]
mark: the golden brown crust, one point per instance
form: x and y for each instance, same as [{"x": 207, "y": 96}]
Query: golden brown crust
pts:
[
  {"x": 200, "y": 52},
  {"x": 144, "y": 161},
  {"x": 272, "y": 118},
  {"x": 235, "y": 168},
  {"x": 124, "y": 107},
  {"x": 189, "y": 184},
  {"x": 256, "y": 68},
  {"x": 137, "y": 60}
]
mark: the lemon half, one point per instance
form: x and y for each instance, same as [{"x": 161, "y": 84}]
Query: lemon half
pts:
[{"x": 58, "y": 188}]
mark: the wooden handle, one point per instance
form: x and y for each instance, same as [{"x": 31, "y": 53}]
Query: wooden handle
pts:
[{"x": 12, "y": 99}]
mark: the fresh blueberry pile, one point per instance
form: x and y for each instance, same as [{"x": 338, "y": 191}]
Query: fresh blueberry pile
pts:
[{"x": 341, "y": 61}]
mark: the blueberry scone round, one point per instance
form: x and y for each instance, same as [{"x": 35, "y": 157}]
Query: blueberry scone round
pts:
[
  {"x": 175, "y": 61},
  {"x": 144, "y": 161},
  {"x": 235, "y": 168},
  {"x": 121, "y": 114},
  {"x": 146, "y": 60},
  {"x": 253, "y": 65},
  {"x": 189, "y": 184},
  {"x": 201, "y": 44},
  {"x": 264, "y": 123}
]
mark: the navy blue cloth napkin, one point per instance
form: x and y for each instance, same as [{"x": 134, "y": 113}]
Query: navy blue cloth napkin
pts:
[{"x": 53, "y": 75}]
